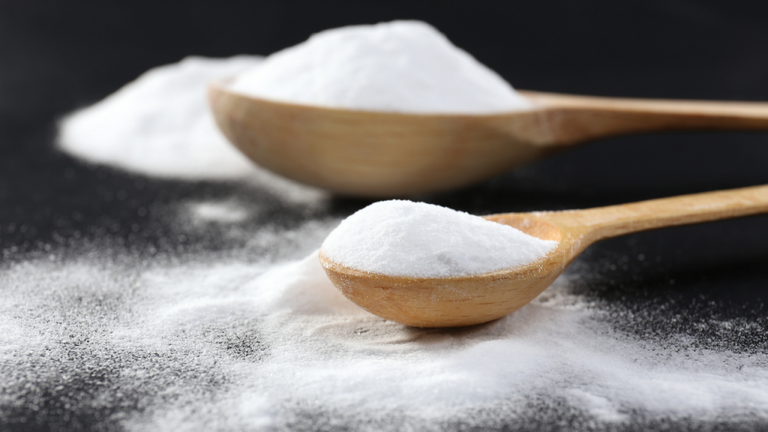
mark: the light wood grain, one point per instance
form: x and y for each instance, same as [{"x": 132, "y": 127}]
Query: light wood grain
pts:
[
  {"x": 572, "y": 119},
  {"x": 467, "y": 300},
  {"x": 380, "y": 154}
]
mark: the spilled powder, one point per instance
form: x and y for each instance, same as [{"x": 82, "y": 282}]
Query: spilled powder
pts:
[
  {"x": 231, "y": 345},
  {"x": 400, "y": 66},
  {"x": 228, "y": 212},
  {"x": 160, "y": 124},
  {"x": 406, "y": 238}
]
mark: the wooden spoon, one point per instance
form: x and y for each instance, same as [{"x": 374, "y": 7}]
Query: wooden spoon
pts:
[
  {"x": 381, "y": 154},
  {"x": 467, "y": 300}
]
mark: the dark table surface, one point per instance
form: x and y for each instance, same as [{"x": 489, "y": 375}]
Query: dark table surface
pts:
[{"x": 58, "y": 56}]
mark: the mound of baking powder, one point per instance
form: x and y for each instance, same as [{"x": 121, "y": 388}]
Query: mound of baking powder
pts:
[
  {"x": 405, "y": 238},
  {"x": 400, "y": 66},
  {"x": 160, "y": 124}
]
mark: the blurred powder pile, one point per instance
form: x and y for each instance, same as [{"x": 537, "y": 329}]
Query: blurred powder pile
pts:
[{"x": 160, "y": 124}]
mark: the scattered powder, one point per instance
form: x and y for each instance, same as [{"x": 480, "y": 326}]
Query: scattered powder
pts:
[
  {"x": 400, "y": 66},
  {"x": 218, "y": 211},
  {"x": 245, "y": 345},
  {"x": 160, "y": 124},
  {"x": 405, "y": 238}
]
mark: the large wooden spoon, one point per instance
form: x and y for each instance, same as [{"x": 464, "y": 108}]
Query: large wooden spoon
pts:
[
  {"x": 381, "y": 154},
  {"x": 467, "y": 300}
]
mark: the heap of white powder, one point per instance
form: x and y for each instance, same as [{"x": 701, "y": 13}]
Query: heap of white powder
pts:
[
  {"x": 160, "y": 124},
  {"x": 405, "y": 238},
  {"x": 400, "y": 66}
]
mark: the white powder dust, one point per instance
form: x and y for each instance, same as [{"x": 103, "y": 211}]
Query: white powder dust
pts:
[
  {"x": 249, "y": 345},
  {"x": 218, "y": 211},
  {"x": 406, "y": 238},
  {"x": 400, "y": 66},
  {"x": 160, "y": 124}
]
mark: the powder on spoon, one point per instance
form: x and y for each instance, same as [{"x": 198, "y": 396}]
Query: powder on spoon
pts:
[
  {"x": 400, "y": 66},
  {"x": 160, "y": 124},
  {"x": 405, "y": 238}
]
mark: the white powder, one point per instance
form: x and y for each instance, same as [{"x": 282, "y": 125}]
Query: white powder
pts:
[
  {"x": 160, "y": 124},
  {"x": 218, "y": 212},
  {"x": 249, "y": 345},
  {"x": 401, "y": 66},
  {"x": 405, "y": 238}
]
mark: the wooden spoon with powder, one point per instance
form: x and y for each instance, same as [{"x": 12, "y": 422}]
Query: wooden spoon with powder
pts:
[
  {"x": 395, "y": 109},
  {"x": 384, "y": 154},
  {"x": 393, "y": 283}
]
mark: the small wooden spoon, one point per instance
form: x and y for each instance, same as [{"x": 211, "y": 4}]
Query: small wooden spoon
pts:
[
  {"x": 467, "y": 300},
  {"x": 381, "y": 154}
]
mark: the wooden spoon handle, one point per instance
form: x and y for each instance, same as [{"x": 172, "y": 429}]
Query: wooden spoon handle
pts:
[
  {"x": 573, "y": 118},
  {"x": 612, "y": 221}
]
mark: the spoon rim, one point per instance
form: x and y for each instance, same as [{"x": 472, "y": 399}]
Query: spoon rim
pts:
[
  {"x": 505, "y": 273},
  {"x": 220, "y": 85},
  {"x": 561, "y": 252}
]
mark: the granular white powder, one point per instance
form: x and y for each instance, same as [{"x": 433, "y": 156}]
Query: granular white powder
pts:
[
  {"x": 405, "y": 238},
  {"x": 401, "y": 66},
  {"x": 227, "y": 345},
  {"x": 160, "y": 124}
]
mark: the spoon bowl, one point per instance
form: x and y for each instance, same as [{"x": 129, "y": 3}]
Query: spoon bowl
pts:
[
  {"x": 387, "y": 154},
  {"x": 476, "y": 299},
  {"x": 456, "y": 301}
]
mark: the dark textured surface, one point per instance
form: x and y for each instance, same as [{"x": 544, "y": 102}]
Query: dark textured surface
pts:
[{"x": 58, "y": 56}]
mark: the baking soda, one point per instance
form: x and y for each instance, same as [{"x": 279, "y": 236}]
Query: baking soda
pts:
[
  {"x": 160, "y": 124},
  {"x": 405, "y": 238},
  {"x": 401, "y": 66},
  {"x": 237, "y": 345}
]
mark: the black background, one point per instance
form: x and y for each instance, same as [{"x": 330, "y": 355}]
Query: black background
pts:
[{"x": 56, "y": 56}]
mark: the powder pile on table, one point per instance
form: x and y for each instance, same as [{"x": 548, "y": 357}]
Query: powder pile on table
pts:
[
  {"x": 405, "y": 238},
  {"x": 160, "y": 124},
  {"x": 400, "y": 66},
  {"x": 249, "y": 344}
]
